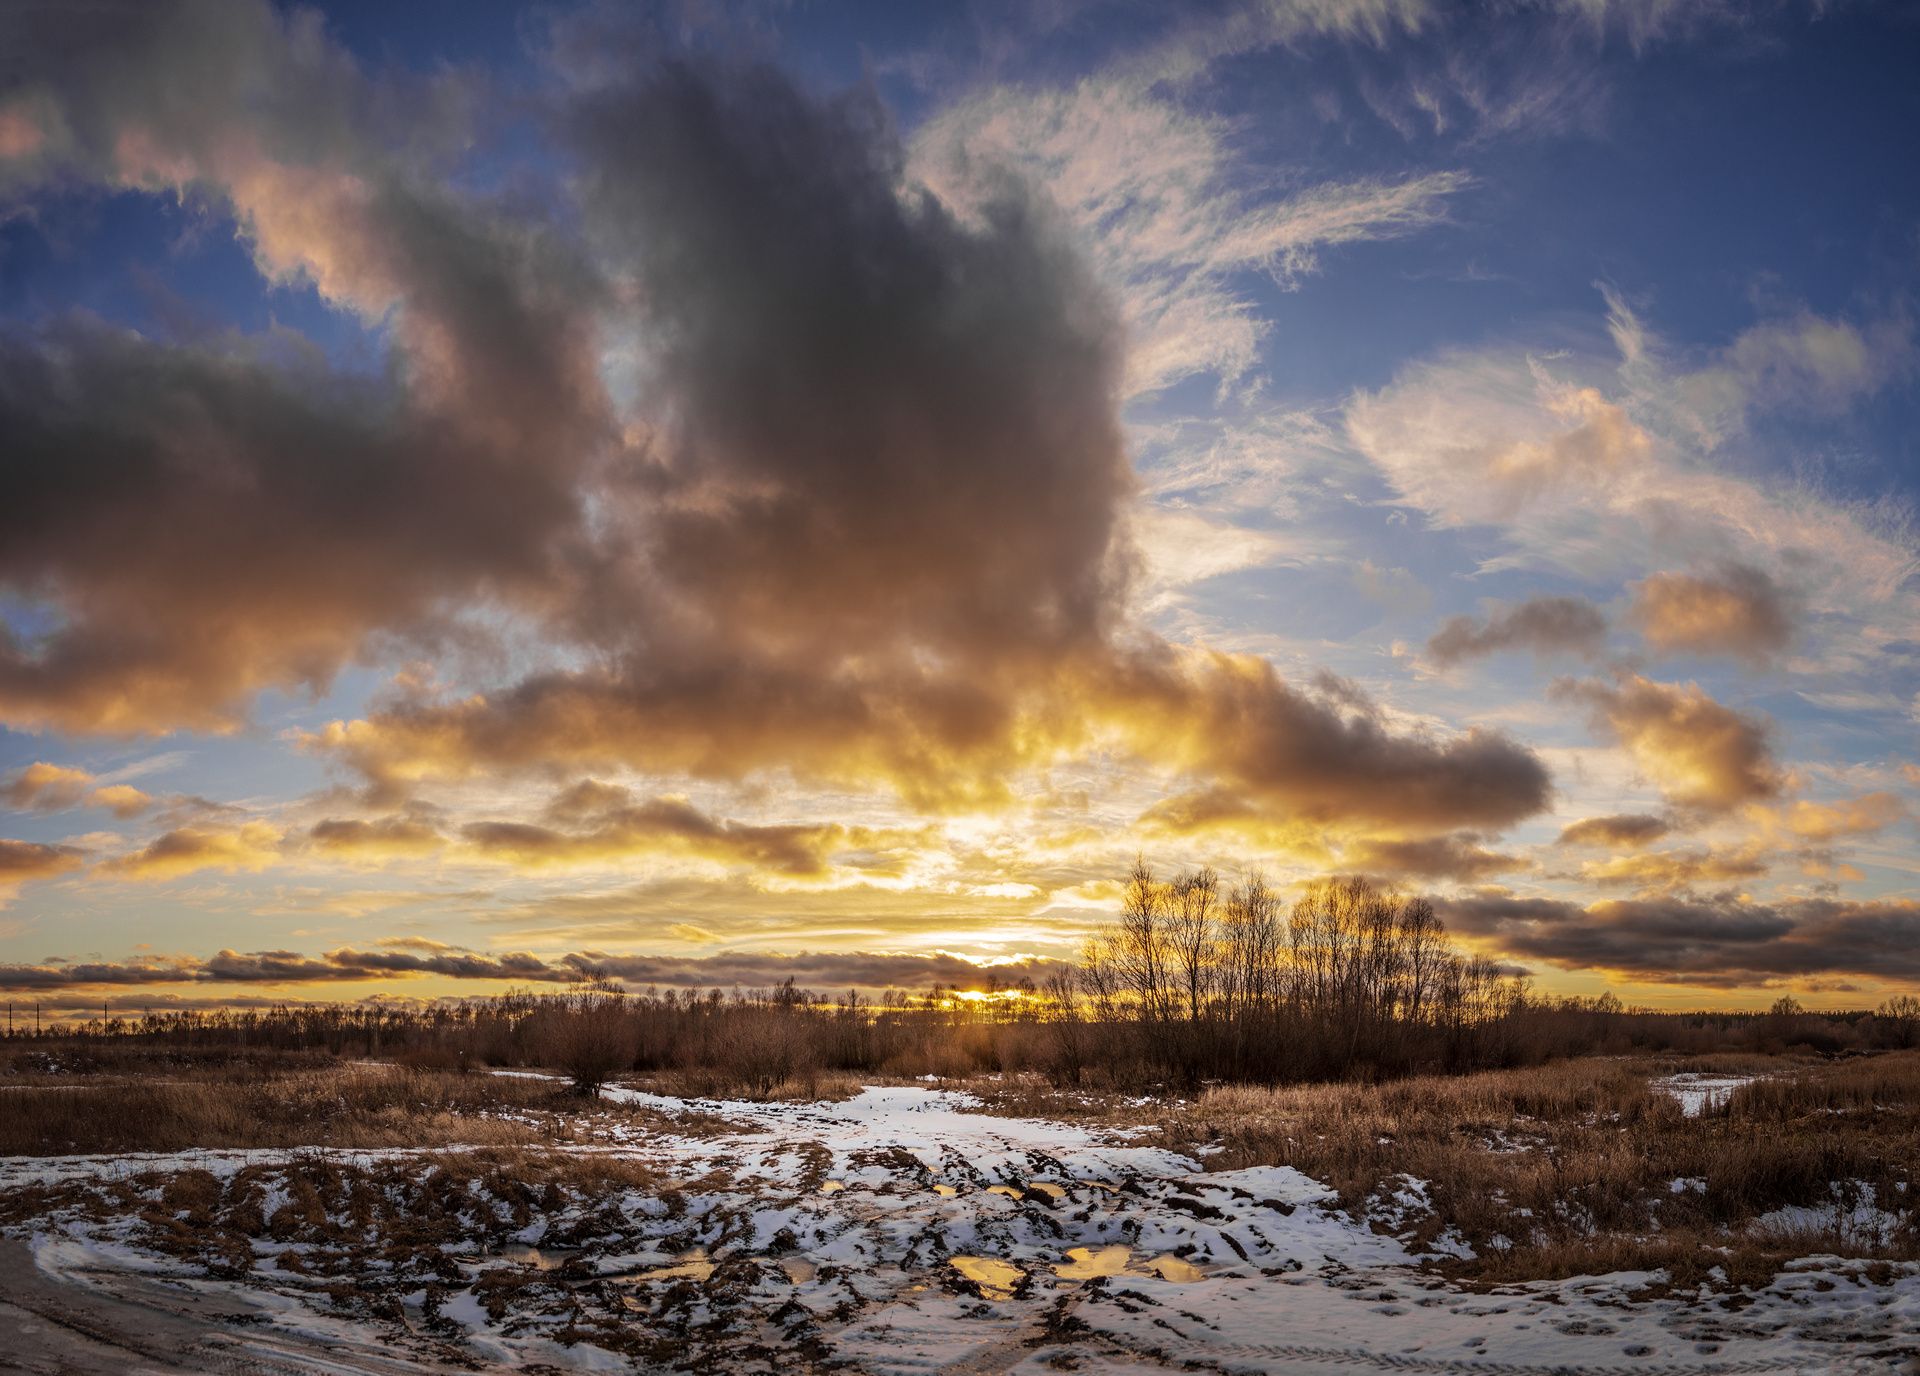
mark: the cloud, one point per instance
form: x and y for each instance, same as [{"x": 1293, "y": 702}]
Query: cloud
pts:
[
  {"x": 167, "y": 504},
  {"x": 1544, "y": 625},
  {"x": 1722, "y": 943},
  {"x": 376, "y": 839},
  {"x": 905, "y": 561},
  {"x": 1475, "y": 442},
  {"x": 21, "y": 861},
  {"x": 123, "y": 800},
  {"x": 1808, "y": 820},
  {"x": 1441, "y": 857},
  {"x": 826, "y": 971},
  {"x": 1737, "y": 611},
  {"x": 1600, "y": 467},
  {"x": 1799, "y": 362},
  {"x": 666, "y": 826},
  {"x": 1672, "y": 869},
  {"x": 188, "y": 850},
  {"x": 48, "y": 787},
  {"x": 1149, "y": 186},
  {"x": 1701, "y": 753},
  {"x": 1625, "y": 831}
]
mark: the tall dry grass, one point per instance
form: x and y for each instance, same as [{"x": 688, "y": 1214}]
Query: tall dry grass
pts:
[
  {"x": 1569, "y": 1168},
  {"x": 352, "y": 1105}
]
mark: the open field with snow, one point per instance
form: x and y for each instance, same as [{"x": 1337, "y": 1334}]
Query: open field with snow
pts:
[{"x": 1589, "y": 1216}]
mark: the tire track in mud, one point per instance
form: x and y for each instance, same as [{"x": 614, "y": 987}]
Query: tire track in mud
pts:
[
  {"x": 1217, "y": 1356},
  {"x": 164, "y": 1336}
]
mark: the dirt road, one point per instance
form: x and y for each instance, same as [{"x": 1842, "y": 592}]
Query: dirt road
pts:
[{"x": 121, "y": 1324}]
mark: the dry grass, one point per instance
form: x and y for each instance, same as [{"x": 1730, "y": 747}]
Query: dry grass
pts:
[
  {"x": 1569, "y": 1169},
  {"x": 353, "y": 1105}
]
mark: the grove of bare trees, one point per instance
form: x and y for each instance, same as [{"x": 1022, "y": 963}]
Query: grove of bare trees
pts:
[{"x": 1209, "y": 981}]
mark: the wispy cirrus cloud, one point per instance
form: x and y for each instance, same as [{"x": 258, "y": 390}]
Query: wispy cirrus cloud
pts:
[{"x": 1151, "y": 189}]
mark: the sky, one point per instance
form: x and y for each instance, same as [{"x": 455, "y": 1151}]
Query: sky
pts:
[{"x": 700, "y": 495}]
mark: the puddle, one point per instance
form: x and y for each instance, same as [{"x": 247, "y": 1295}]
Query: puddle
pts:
[
  {"x": 692, "y": 1265},
  {"x": 1006, "y": 1190},
  {"x": 996, "y": 1278},
  {"x": 520, "y": 1254},
  {"x": 1179, "y": 1270},
  {"x": 1090, "y": 1263},
  {"x": 1698, "y": 1091},
  {"x": 945, "y": 1191},
  {"x": 833, "y": 1186},
  {"x": 1054, "y": 1192},
  {"x": 799, "y": 1270}
]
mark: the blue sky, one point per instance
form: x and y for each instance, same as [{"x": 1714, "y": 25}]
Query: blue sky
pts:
[{"x": 1434, "y": 429}]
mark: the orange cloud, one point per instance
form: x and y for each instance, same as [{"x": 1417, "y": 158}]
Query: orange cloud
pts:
[
  {"x": 1738, "y": 611},
  {"x": 48, "y": 787},
  {"x": 52, "y": 788},
  {"x": 123, "y": 800},
  {"x": 1628, "y": 831},
  {"x": 383, "y": 838},
  {"x": 1811, "y": 821},
  {"x": 611, "y": 825},
  {"x": 1701, "y": 753},
  {"x": 1670, "y": 869},
  {"x": 187, "y": 850}
]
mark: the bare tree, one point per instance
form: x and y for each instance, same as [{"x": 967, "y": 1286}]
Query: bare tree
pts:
[
  {"x": 1900, "y": 1016},
  {"x": 1140, "y": 947},
  {"x": 590, "y": 1036},
  {"x": 1191, "y": 934}
]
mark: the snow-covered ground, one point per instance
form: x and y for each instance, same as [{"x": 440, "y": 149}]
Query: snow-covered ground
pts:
[
  {"x": 1698, "y": 1091},
  {"x": 896, "y": 1232}
]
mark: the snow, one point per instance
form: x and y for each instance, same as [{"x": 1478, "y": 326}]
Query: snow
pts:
[
  {"x": 1698, "y": 1091},
  {"x": 956, "y": 1238}
]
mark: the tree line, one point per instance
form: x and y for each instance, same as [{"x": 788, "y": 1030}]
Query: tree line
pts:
[{"x": 1194, "y": 980}]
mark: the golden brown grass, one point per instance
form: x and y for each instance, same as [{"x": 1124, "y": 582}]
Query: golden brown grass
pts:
[
  {"x": 1569, "y": 1168},
  {"x": 351, "y": 1105}
]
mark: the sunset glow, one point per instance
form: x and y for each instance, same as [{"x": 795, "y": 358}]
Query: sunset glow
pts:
[{"x": 498, "y": 501}]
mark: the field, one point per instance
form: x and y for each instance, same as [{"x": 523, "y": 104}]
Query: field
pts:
[{"x": 301, "y": 1213}]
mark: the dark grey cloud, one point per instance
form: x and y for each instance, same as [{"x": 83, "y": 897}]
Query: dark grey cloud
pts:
[
  {"x": 1713, "y": 942},
  {"x": 24, "y": 860},
  {"x": 855, "y": 509},
  {"x": 1544, "y": 625},
  {"x": 816, "y": 970},
  {"x": 872, "y": 529},
  {"x": 1461, "y": 857},
  {"x": 214, "y": 516}
]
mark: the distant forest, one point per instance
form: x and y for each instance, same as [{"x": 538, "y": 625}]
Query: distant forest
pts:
[{"x": 1193, "y": 982}]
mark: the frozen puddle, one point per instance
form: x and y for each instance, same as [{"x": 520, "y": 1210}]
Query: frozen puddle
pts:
[
  {"x": 1698, "y": 1091},
  {"x": 967, "y": 1243}
]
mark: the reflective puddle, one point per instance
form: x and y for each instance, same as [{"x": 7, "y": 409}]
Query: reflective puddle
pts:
[
  {"x": 1090, "y": 1263},
  {"x": 1176, "y": 1269},
  {"x": 1047, "y": 1188},
  {"x": 520, "y": 1254},
  {"x": 833, "y": 1186},
  {"x": 693, "y": 1265},
  {"x": 1006, "y": 1190},
  {"x": 996, "y": 1278},
  {"x": 945, "y": 1191},
  {"x": 799, "y": 1270}
]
